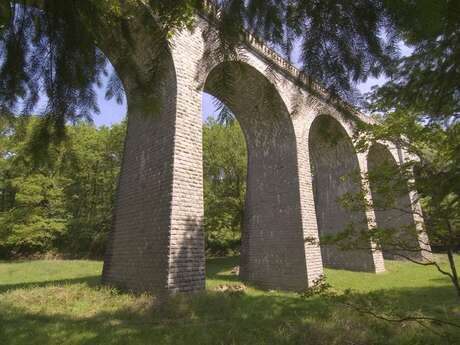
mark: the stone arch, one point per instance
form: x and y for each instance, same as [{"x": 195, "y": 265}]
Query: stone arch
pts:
[
  {"x": 273, "y": 254},
  {"x": 392, "y": 206},
  {"x": 335, "y": 172}
]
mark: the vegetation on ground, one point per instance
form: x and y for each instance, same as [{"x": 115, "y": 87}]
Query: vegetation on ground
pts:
[{"x": 62, "y": 302}]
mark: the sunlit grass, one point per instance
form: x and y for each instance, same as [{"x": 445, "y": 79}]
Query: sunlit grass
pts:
[{"x": 62, "y": 302}]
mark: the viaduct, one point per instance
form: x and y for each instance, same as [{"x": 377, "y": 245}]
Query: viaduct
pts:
[{"x": 293, "y": 182}]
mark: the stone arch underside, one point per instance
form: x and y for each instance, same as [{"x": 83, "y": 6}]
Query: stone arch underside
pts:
[
  {"x": 272, "y": 251},
  {"x": 334, "y": 165},
  {"x": 392, "y": 207}
]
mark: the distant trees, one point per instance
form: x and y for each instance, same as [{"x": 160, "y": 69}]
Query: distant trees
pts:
[
  {"x": 225, "y": 166},
  {"x": 66, "y": 203},
  {"x": 91, "y": 165}
]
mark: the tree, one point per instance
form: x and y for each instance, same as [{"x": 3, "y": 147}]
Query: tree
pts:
[
  {"x": 341, "y": 43},
  {"x": 38, "y": 217},
  {"x": 52, "y": 47},
  {"x": 432, "y": 173},
  {"x": 224, "y": 163},
  {"x": 427, "y": 81},
  {"x": 91, "y": 165},
  {"x": 65, "y": 204},
  {"x": 418, "y": 110},
  {"x": 32, "y": 214}
]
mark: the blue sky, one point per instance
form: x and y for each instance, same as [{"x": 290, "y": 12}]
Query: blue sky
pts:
[{"x": 111, "y": 112}]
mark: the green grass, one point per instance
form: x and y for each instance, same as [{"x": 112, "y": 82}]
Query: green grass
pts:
[{"x": 62, "y": 302}]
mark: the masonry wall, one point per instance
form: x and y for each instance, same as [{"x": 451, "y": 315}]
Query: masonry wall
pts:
[
  {"x": 336, "y": 174},
  {"x": 273, "y": 254},
  {"x": 157, "y": 242},
  {"x": 393, "y": 211},
  {"x": 137, "y": 254}
]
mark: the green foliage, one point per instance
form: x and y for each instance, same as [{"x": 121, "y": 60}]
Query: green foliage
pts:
[
  {"x": 435, "y": 162},
  {"x": 32, "y": 214},
  {"x": 418, "y": 110},
  {"x": 38, "y": 216},
  {"x": 429, "y": 171},
  {"x": 225, "y": 161},
  {"x": 91, "y": 166},
  {"x": 427, "y": 81},
  {"x": 56, "y": 51},
  {"x": 319, "y": 287},
  {"x": 66, "y": 204},
  {"x": 433, "y": 156}
]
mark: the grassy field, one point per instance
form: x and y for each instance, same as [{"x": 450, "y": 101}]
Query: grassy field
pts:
[{"x": 62, "y": 302}]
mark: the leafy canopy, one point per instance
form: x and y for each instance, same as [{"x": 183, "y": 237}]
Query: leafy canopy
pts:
[
  {"x": 51, "y": 48},
  {"x": 225, "y": 169}
]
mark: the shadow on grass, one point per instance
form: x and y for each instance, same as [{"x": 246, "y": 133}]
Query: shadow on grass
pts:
[
  {"x": 221, "y": 318},
  {"x": 219, "y": 268},
  {"x": 231, "y": 318},
  {"x": 91, "y": 281}
]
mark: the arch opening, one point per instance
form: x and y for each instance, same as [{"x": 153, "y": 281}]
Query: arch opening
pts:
[
  {"x": 334, "y": 164},
  {"x": 272, "y": 248},
  {"x": 392, "y": 206},
  {"x": 224, "y": 178}
]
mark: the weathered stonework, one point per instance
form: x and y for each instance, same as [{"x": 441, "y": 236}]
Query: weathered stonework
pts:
[
  {"x": 334, "y": 162},
  {"x": 403, "y": 214},
  {"x": 157, "y": 241}
]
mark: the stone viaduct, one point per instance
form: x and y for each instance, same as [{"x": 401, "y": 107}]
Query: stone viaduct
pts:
[{"x": 293, "y": 182}]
